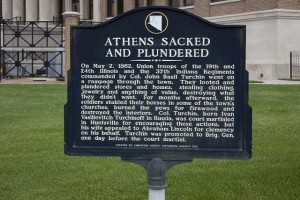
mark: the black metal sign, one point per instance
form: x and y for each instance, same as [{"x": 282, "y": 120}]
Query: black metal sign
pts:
[{"x": 158, "y": 82}]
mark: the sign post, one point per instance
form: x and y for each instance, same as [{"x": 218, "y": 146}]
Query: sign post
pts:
[
  {"x": 157, "y": 181},
  {"x": 158, "y": 86}
]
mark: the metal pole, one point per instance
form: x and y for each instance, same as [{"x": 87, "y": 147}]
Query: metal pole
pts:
[
  {"x": 157, "y": 194},
  {"x": 157, "y": 180},
  {"x": 157, "y": 173}
]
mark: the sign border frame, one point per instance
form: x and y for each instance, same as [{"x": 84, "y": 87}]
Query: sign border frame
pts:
[{"x": 164, "y": 153}]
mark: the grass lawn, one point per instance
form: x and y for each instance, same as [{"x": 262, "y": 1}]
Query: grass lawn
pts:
[{"x": 33, "y": 165}]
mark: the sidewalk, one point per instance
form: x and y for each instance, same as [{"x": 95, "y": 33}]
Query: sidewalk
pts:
[
  {"x": 280, "y": 82},
  {"x": 40, "y": 80}
]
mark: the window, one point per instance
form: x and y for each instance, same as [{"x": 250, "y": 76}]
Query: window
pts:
[
  {"x": 91, "y": 15},
  {"x": 75, "y": 5},
  {"x": 181, "y": 3},
  {"x": 174, "y": 3},
  {"x": 141, "y": 3},
  {"x": 213, "y": 1},
  {"x": 110, "y": 7},
  {"x": 114, "y": 7},
  {"x": 188, "y": 2},
  {"x": 120, "y": 6}
]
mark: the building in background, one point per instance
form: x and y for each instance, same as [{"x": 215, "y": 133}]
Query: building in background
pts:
[{"x": 273, "y": 26}]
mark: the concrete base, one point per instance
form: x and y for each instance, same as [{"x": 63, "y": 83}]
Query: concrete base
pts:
[{"x": 268, "y": 71}]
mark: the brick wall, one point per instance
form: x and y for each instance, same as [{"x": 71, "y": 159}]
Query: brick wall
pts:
[
  {"x": 161, "y": 2},
  {"x": 204, "y": 8},
  {"x": 289, "y": 4},
  {"x": 71, "y": 18},
  {"x": 258, "y": 5},
  {"x": 129, "y": 5},
  {"x": 227, "y": 8}
]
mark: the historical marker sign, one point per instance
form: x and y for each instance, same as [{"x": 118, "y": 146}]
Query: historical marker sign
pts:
[{"x": 158, "y": 82}]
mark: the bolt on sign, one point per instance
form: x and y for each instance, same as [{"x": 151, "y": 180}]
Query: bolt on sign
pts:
[{"x": 158, "y": 82}]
